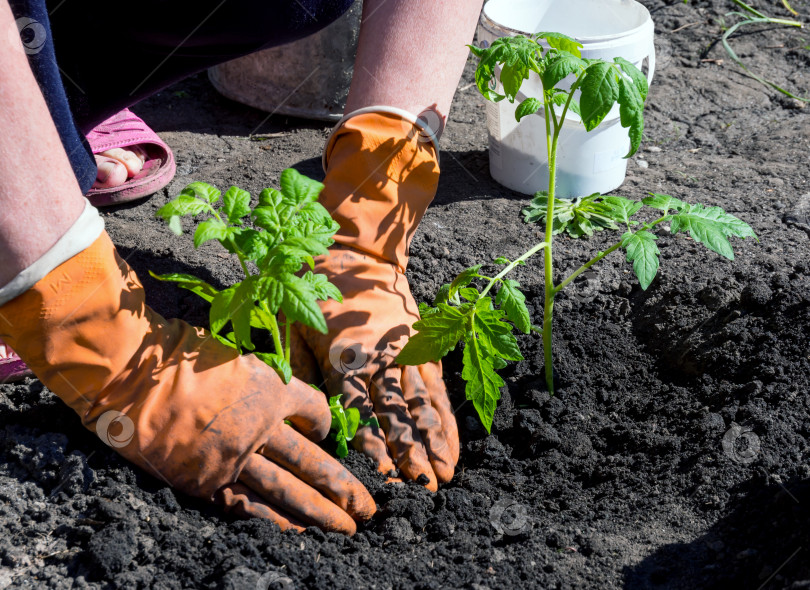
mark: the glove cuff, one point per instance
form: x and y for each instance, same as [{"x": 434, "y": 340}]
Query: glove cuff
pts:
[
  {"x": 79, "y": 237},
  {"x": 382, "y": 171}
]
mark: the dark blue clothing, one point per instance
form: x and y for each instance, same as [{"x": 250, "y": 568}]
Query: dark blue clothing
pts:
[{"x": 88, "y": 72}]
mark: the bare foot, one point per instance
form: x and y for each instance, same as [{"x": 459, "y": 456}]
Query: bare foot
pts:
[{"x": 115, "y": 166}]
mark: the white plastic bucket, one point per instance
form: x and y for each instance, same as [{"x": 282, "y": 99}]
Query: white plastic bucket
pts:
[{"x": 587, "y": 163}]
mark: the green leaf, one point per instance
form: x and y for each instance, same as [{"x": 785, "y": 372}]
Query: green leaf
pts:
[
  {"x": 711, "y": 227},
  {"x": 631, "y": 113},
  {"x": 512, "y": 77},
  {"x": 663, "y": 202},
  {"x": 575, "y": 108},
  {"x": 528, "y": 107},
  {"x": 298, "y": 189},
  {"x": 270, "y": 290},
  {"x": 501, "y": 260},
  {"x": 464, "y": 278},
  {"x": 352, "y": 422},
  {"x": 443, "y": 295},
  {"x": 469, "y": 294},
  {"x": 211, "y": 229},
  {"x": 239, "y": 309},
  {"x": 643, "y": 253},
  {"x": 270, "y": 197},
  {"x": 321, "y": 287},
  {"x": 513, "y": 302},
  {"x": 483, "y": 383},
  {"x": 622, "y": 208},
  {"x": 639, "y": 80},
  {"x": 436, "y": 335},
  {"x": 277, "y": 362},
  {"x": 203, "y": 191},
  {"x": 299, "y": 303},
  {"x": 309, "y": 246},
  {"x": 236, "y": 204},
  {"x": 252, "y": 243},
  {"x": 219, "y": 314},
  {"x": 560, "y": 66},
  {"x": 266, "y": 217},
  {"x": 496, "y": 335},
  {"x": 189, "y": 282},
  {"x": 181, "y": 206},
  {"x": 561, "y": 42},
  {"x": 600, "y": 91}
]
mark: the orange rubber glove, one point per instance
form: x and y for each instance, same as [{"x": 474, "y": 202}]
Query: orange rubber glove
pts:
[
  {"x": 178, "y": 403},
  {"x": 382, "y": 172}
]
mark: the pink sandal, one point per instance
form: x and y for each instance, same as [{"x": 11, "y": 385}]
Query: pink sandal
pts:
[
  {"x": 12, "y": 367},
  {"x": 123, "y": 130}
]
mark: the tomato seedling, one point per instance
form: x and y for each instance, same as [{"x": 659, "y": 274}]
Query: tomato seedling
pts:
[
  {"x": 290, "y": 227},
  {"x": 462, "y": 313},
  {"x": 345, "y": 422}
]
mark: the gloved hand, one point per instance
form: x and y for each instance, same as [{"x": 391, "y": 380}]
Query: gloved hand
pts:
[
  {"x": 382, "y": 172},
  {"x": 178, "y": 403}
]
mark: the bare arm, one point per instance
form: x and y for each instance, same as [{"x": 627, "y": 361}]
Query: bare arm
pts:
[{"x": 39, "y": 196}]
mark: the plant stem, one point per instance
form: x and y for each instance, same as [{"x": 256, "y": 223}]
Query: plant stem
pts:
[
  {"x": 274, "y": 331},
  {"x": 601, "y": 255},
  {"x": 548, "y": 261},
  {"x": 287, "y": 340},
  {"x": 534, "y": 249}
]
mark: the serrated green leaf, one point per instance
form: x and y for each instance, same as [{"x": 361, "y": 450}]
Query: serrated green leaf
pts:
[
  {"x": 352, "y": 422},
  {"x": 561, "y": 42},
  {"x": 639, "y": 79},
  {"x": 298, "y": 189},
  {"x": 437, "y": 334},
  {"x": 663, "y": 202},
  {"x": 211, "y": 229},
  {"x": 426, "y": 310},
  {"x": 321, "y": 286},
  {"x": 622, "y": 209},
  {"x": 631, "y": 113},
  {"x": 278, "y": 363},
  {"x": 560, "y": 66},
  {"x": 442, "y": 295},
  {"x": 252, "y": 243},
  {"x": 189, "y": 282},
  {"x": 203, "y": 190},
  {"x": 299, "y": 304},
  {"x": 643, "y": 253},
  {"x": 236, "y": 204},
  {"x": 483, "y": 383},
  {"x": 528, "y": 107},
  {"x": 496, "y": 335},
  {"x": 513, "y": 302},
  {"x": 600, "y": 91},
  {"x": 711, "y": 227},
  {"x": 501, "y": 260}
]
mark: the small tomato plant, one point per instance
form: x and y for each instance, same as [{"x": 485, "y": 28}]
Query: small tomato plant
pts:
[
  {"x": 463, "y": 313},
  {"x": 290, "y": 227},
  {"x": 345, "y": 422}
]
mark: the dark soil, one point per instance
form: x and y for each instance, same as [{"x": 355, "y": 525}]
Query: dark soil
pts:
[{"x": 621, "y": 479}]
